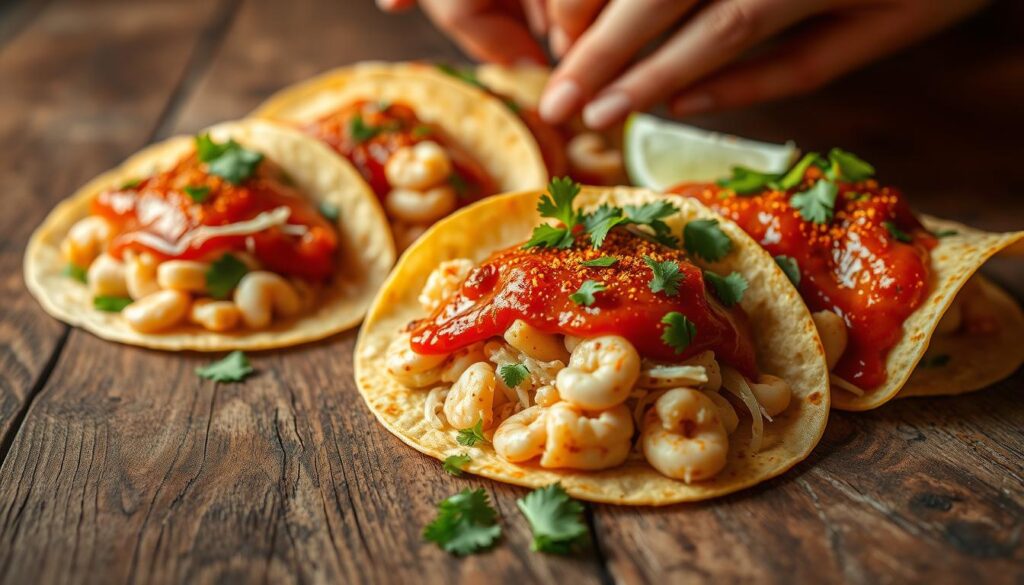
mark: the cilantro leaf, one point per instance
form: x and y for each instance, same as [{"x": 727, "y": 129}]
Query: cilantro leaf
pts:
[
  {"x": 454, "y": 464},
  {"x": 110, "y": 304},
  {"x": 790, "y": 267},
  {"x": 224, "y": 275},
  {"x": 946, "y": 233},
  {"x": 746, "y": 181},
  {"x": 602, "y": 262},
  {"x": 76, "y": 272},
  {"x": 228, "y": 160},
  {"x": 557, "y": 202},
  {"x": 704, "y": 239},
  {"x": 897, "y": 233},
  {"x": 556, "y": 520},
  {"x": 329, "y": 210},
  {"x": 198, "y": 194},
  {"x": 649, "y": 213},
  {"x": 817, "y": 203},
  {"x": 795, "y": 175},
  {"x": 666, "y": 276},
  {"x": 848, "y": 166},
  {"x": 729, "y": 289},
  {"x": 421, "y": 131},
  {"x": 513, "y": 374},
  {"x": 360, "y": 131},
  {"x": 472, "y": 435},
  {"x": 600, "y": 231},
  {"x": 233, "y": 368},
  {"x": 599, "y": 222},
  {"x": 549, "y": 236},
  {"x": 131, "y": 184},
  {"x": 458, "y": 184},
  {"x": 465, "y": 523},
  {"x": 585, "y": 294},
  {"x": 464, "y": 74},
  {"x": 679, "y": 331}
]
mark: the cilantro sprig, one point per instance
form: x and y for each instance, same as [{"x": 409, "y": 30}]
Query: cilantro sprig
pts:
[
  {"x": 818, "y": 203},
  {"x": 665, "y": 276},
  {"x": 110, "y": 304},
  {"x": 454, "y": 464},
  {"x": 729, "y": 289},
  {"x": 705, "y": 239},
  {"x": 585, "y": 294},
  {"x": 228, "y": 160},
  {"x": 197, "y": 193},
  {"x": 466, "y": 523},
  {"x": 790, "y": 267},
  {"x": 556, "y": 520},
  {"x": 472, "y": 435},
  {"x": 513, "y": 374},
  {"x": 234, "y": 367},
  {"x": 224, "y": 275},
  {"x": 76, "y": 272},
  {"x": 602, "y": 262},
  {"x": 896, "y": 233},
  {"x": 839, "y": 165},
  {"x": 679, "y": 331}
]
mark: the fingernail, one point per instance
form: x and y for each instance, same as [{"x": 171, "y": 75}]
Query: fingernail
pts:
[
  {"x": 558, "y": 41},
  {"x": 560, "y": 100},
  {"x": 606, "y": 109},
  {"x": 385, "y": 4},
  {"x": 689, "y": 105}
]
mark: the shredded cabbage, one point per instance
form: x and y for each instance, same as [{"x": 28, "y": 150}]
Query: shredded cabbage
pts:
[
  {"x": 265, "y": 220},
  {"x": 734, "y": 382},
  {"x": 844, "y": 385}
]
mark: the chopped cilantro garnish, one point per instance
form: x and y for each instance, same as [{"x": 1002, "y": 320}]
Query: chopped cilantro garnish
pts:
[
  {"x": 817, "y": 203},
  {"x": 465, "y": 523},
  {"x": 131, "y": 183},
  {"x": 76, "y": 272},
  {"x": 704, "y": 239},
  {"x": 513, "y": 374},
  {"x": 549, "y": 236},
  {"x": 421, "y": 131},
  {"x": 557, "y": 202},
  {"x": 946, "y": 233},
  {"x": 729, "y": 289},
  {"x": 666, "y": 276},
  {"x": 585, "y": 294},
  {"x": 745, "y": 181},
  {"x": 233, "y": 368},
  {"x": 461, "y": 73},
  {"x": 110, "y": 304},
  {"x": 228, "y": 160},
  {"x": 458, "y": 184},
  {"x": 512, "y": 105},
  {"x": 934, "y": 361},
  {"x": 897, "y": 233},
  {"x": 198, "y": 194},
  {"x": 454, "y": 464},
  {"x": 360, "y": 131},
  {"x": 329, "y": 210},
  {"x": 556, "y": 520},
  {"x": 598, "y": 228},
  {"x": 602, "y": 262},
  {"x": 848, "y": 166},
  {"x": 795, "y": 175},
  {"x": 224, "y": 275},
  {"x": 679, "y": 331},
  {"x": 790, "y": 268},
  {"x": 472, "y": 435},
  {"x": 652, "y": 214}
]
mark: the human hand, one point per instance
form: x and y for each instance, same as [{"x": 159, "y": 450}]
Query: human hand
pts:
[
  {"x": 499, "y": 31},
  {"x": 703, "y": 64}
]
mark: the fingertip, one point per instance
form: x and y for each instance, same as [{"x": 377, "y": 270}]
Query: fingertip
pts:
[
  {"x": 558, "y": 41},
  {"x": 561, "y": 98},
  {"x": 395, "y": 5},
  {"x": 607, "y": 109}
]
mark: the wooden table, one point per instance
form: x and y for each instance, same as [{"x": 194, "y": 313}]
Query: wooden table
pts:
[{"x": 119, "y": 464}]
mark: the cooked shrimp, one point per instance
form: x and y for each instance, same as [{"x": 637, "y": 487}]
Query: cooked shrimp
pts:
[
  {"x": 471, "y": 398},
  {"x": 601, "y": 373},
  {"x": 683, "y": 436},
  {"x": 584, "y": 440},
  {"x": 410, "y": 368},
  {"x": 522, "y": 436}
]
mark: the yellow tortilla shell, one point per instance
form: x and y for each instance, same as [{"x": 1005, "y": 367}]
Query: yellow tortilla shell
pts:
[
  {"x": 953, "y": 261},
  {"x": 481, "y": 124},
  {"x": 366, "y": 250},
  {"x": 785, "y": 339}
]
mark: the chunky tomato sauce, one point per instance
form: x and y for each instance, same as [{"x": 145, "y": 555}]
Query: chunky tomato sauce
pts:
[
  {"x": 157, "y": 215},
  {"x": 854, "y": 265},
  {"x": 535, "y": 285},
  {"x": 368, "y": 133}
]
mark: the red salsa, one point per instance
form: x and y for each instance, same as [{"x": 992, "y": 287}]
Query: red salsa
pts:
[
  {"x": 367, "y": 134},
  {"x": 855, "y": 265},
  {"x": 535, "y": 285},
  {"x": 158, "y": 215}
]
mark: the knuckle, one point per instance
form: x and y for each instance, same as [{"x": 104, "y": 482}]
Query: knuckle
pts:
[{"x": 731, "y": 24}]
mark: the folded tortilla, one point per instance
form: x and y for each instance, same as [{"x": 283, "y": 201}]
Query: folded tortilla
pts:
[
  {"x": 784, "y": 337},
  {"x": 366, "y": 250}
]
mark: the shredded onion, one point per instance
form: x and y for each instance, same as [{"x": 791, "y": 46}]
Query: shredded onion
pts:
[
  {"x": 733, "y": 382},
  {"x": 432, "y": 406},
  {"x": 844, "y": 385},
  {"x": 662, "y": 376},
  {"x": 267, "y": 219}
]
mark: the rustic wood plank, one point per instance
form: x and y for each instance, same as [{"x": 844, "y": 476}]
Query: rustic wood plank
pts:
[{"x": 82, "y": 87}]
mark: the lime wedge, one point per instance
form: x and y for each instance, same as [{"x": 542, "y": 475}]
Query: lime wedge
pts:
[{"x": 660, "y": 154}]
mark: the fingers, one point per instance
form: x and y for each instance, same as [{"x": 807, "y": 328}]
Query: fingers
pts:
[
  {"x": 536, "y": 16},
  {"x": 620, "y": 31},
  {"x": 568, "y": 20},
  {"x": 714, "y": 36},
  {"x": 395, "y": 5},
  {"x": 810, "y": 60},
  {"x": 485, "y": 30}
]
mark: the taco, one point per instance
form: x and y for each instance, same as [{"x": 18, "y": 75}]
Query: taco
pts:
[
  {"x": 426, "y": 143},
  {"x": 594, "y": 351},
  {"x": 248, "y": 236},
  {"x": 890, "y": 291}
]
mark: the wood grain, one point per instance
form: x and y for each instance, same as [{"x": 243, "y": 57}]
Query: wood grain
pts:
[{"x": 128, "y": 468}]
